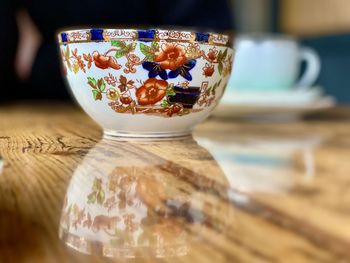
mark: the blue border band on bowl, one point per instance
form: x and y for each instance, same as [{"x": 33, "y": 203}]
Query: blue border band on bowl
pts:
[{"x": 147, "y": 35}]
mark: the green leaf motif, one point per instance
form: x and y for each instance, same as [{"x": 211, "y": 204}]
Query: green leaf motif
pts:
[
  {"x": 224, "y": 54},
  {"x": 148, "y": 51},
  {"x": 124, "y": 48},
  {"x": 97, "y": 94},
  {"x": 92, "y": 198},
  {"x": 214, "y": 89},
  {"x": 92, "y": 82},
  {"x": 170, "y": 90},
  {"x": 100, "y": 197},
  {"x": 219, "y": 58},
  {"x": 130, "y": 47},
  {"x": 155, "y": 46},
  {"x": 67, "y": 53},
  {"x": 220, "y": 67},
  {"x": 118, "y": 43},
  {"x": 150, "y": 57},
  {"x": 120, "y": 53},
  {"x": 144, "y": 48},
  {"x": 208, "y": 91},
  {"x": 101, "y": 85},
  {"x": 96, "y": 185},
  {"x": 164, "y": 104}
]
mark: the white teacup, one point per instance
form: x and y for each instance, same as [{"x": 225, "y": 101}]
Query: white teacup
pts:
[{"x": 272, "y": 62}]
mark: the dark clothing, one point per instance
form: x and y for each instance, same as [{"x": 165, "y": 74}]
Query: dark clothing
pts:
[
  {"x": 8, "y": 40},
  {"x": 49, "y": 16}
]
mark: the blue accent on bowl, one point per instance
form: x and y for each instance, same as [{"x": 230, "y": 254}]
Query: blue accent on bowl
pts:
[
  {"x": 96, "y": 34},
  {"x": 183, "y": 70},
  {"x": 64, "y": 37},
  {"x": 187, "y": 97},
  {"x": 201, "y": 37},
  {"x": 146, "y": 35}
]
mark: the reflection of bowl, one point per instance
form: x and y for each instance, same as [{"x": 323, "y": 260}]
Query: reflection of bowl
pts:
[
  {"x": 139, "y": 82},
  {"x": 117, "y": 212},
  {"x": 122, "y": 202}
]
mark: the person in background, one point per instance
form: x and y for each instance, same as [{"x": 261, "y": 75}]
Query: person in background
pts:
[{"x": 30, "y": 67}]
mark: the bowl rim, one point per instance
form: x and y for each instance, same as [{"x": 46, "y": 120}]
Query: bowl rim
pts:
[{"x": 148, "y": 34}]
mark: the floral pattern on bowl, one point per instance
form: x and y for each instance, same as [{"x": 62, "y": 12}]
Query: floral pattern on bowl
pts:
[
  {"x": 140, "y": 71},
  {"x": 125, "y": 202}
]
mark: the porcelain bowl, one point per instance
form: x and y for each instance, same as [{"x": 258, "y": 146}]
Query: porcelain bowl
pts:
[{"x": 146, "y": 83}]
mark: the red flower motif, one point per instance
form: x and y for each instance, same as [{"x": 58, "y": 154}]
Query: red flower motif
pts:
[
  {"x": 212, "y": 54},
  {"x": 105, "y": 62},
  {"x": 171, "y": 56},
  {"x": 88, "y": 58},
  {"x": 208, "y": 70},
  {"x": 125, "y": 100},
  {"x": 152, "y": 91}
]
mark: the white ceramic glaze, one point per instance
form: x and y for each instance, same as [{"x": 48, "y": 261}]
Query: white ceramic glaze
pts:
[
  {"x": 270, "y": 62},
  {"x": 134, "y": 83}
]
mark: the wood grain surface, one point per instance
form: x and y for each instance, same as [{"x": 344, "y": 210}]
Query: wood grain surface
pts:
[{"x": 236, "y": 192}]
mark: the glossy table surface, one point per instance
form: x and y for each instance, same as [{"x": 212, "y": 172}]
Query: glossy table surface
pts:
[{"x": 235, "y": 192}]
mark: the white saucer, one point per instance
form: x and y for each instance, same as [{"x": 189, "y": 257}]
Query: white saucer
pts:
[
  {"x": 1, "y": 165},
  {"x": 282, "y": 106}
]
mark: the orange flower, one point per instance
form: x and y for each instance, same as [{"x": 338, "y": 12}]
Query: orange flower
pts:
[
  {"x": 208, "y": 70},
  {"x": 105, "y": 62},
  {"x": 212, "y": 54},
  {"x": 152, "y": 91},
  {"x": 171, "y": 56}
]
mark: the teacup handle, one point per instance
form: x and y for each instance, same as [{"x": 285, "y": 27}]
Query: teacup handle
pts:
[{"x": 313, "y": 67}]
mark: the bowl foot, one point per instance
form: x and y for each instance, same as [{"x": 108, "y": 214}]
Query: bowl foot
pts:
[{"x": 143, "y": 136}]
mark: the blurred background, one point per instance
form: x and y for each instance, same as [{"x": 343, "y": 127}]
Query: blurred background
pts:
[{"x": 323, "y": 25}]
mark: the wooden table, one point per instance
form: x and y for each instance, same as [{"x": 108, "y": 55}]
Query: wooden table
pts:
[{"x": 237, "y": 192}]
